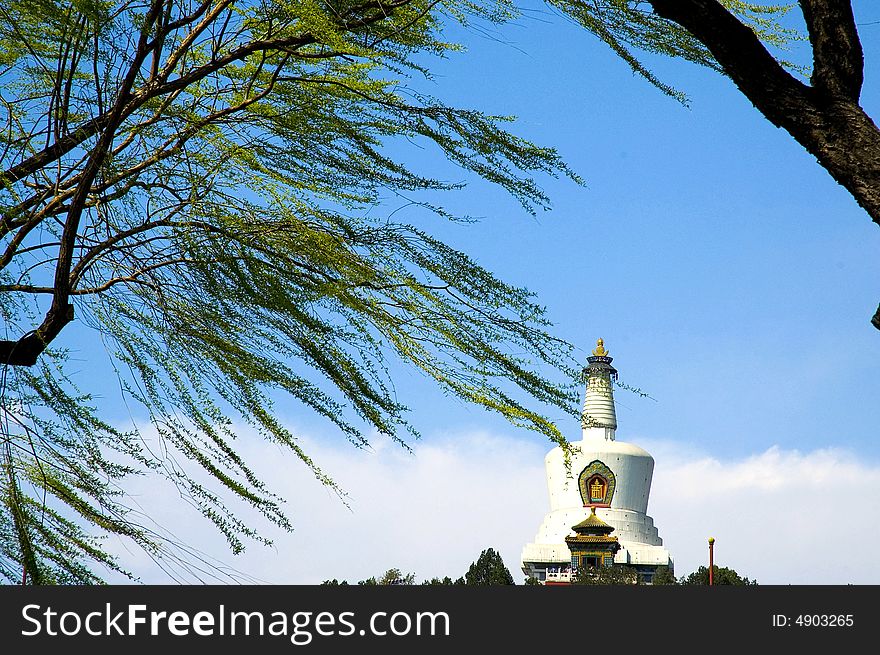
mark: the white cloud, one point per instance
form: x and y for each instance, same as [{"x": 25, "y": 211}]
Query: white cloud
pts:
[{"x": 782, "y": 517}]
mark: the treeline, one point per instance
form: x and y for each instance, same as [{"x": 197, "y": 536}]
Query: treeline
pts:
[
  {"x": 721, "y": 575},
  {"x": 489, "y": 569},
  {"x": 622, "y": 574}
]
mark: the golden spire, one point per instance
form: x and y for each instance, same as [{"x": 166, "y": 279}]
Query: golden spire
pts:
[{"x": 599, "y": 350}]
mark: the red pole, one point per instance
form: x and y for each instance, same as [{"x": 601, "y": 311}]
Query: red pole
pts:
[{"x": 711, "y": 564}]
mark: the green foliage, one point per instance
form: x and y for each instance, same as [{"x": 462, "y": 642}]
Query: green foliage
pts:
[
  {"x": 621, "y": 574},
  {"x": 489, "y": 569},
  {"x": 532, "y": 581},
  {"x": 445, "y": 581},
  {"x": 720, "y": 576},
  {"x": 395, "y": 577},
  {"x": 390, "y": 577},
  {"x": 200, "y": 185},
  {"x": 618, "y": 574},
  {"x": 663, "y": 576}
]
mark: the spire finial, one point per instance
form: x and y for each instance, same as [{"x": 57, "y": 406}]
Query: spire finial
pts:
[{"x": 599, "y": 350}]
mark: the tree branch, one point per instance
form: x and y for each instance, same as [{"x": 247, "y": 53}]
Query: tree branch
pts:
[
  {"x": 830, "y": 125},
  {"x": 742, "y": 56},
  {"x": 26, "y": 349},
  {"x": 838, "y": 62},
  {"x": 52, "y": 153}
]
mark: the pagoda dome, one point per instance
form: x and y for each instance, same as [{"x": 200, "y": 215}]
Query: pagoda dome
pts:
[{"x": 593, "y": 525}]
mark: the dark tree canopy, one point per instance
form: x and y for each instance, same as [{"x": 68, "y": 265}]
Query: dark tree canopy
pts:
[
  {"x": 721, "y": 575},
  {"x": 489, "y": 569},
  {"x": 445, "y": 581},
  {"x": 391, "y": 577},
  {"x": 618, "y": 574},
  {"x": 663, "y": 576}
]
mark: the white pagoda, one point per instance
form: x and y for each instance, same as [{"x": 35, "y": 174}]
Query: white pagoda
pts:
[{"x": 604, "y": 476}]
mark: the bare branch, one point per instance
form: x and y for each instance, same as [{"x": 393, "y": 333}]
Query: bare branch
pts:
[{"x": 838, "y": 61}]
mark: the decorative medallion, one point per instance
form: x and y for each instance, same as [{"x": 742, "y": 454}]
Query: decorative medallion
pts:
[{"x": 596, "y": 483}]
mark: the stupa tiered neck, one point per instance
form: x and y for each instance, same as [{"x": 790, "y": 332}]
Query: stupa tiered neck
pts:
[{"x": 599, "y": 418}]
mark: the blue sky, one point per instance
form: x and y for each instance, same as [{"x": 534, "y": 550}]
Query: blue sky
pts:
[{"x": 731, "y": 278}]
